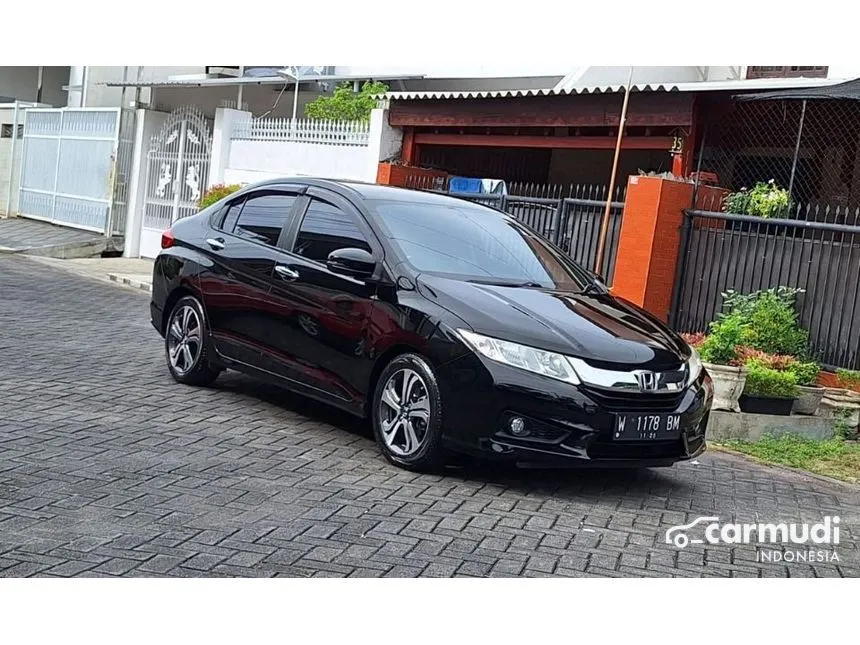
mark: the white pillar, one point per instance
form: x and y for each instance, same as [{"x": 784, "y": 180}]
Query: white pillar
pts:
[
  {"x": 147, "y": 124},
  {"x": 225, "y": 121},
  {"x": 76, "y": 86},
  {"x": 384, "y": 142}
]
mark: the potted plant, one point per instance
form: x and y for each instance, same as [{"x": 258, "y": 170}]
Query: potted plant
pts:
[
  {"x": 718, "y": 352},
  {"x": 767, "y": 390},
  {"x": 766, "y": 200},
  {"x": 810, "y": 394}
]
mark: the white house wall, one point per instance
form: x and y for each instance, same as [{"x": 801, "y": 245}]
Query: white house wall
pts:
[
  {"x": 307, "y": 159},
  {"x": 243, "y": 161},
  {"x": 99, "y": 95},
  {"x": 846, "y": 72},
  {"x": 22, "y": 83}
]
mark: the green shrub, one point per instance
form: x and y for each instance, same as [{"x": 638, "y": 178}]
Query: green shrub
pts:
[
  {"x": 720, "y": 347},
  {"x": 805, "y": 373},
  {"x": 346, "y": 105},
  {"x": 737, "y": 203},
  {"x": 770, "y": 320},
  {"x": 766, "y": 199},
  {"x": 216, "y": 194},
  {"x": 764, "y": 381}
]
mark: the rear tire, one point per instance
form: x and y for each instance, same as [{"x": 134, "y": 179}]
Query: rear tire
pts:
[
  {"x": 407, "y": 414},
  {"x": 186, "y": 344}
]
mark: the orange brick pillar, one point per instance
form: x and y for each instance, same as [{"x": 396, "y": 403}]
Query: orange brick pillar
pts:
[
  {"x": 648, "y": 246},
  {"x": 407, "y": 176}
]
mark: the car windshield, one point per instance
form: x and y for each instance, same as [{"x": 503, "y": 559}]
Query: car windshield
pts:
[{"x": 468, "y": 241}]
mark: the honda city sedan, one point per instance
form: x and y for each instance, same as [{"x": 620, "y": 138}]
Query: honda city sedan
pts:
[{"x": 448, "y": 324}]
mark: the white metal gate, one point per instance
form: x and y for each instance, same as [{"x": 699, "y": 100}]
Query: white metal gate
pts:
[
  {"x": 177, "y": 168},
  {"x": 68, "y": 166}
]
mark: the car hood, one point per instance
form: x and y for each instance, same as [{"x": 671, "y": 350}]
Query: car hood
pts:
[{"x": 605, "y": 331}]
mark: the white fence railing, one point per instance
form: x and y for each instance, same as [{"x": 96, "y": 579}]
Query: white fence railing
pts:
[{"x": 338, "y": 133}]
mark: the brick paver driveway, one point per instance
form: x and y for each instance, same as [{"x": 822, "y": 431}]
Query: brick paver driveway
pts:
[{"x": 107, "y": 467}]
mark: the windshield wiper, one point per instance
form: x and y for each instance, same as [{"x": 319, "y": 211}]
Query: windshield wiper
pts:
[
  {"x": 593, "y": 288},
  {"x": 499, "y": 283}
]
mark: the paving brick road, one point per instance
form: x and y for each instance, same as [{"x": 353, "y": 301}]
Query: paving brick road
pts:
[{"x": 109, "y": 468}]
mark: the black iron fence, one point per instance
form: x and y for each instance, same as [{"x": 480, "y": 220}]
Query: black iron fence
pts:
[
  {"x": 568, "y": 216},
  {"x": 720, "y": 251}
]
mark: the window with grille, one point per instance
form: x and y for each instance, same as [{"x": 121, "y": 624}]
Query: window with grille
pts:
[
  {"x": 788, "y": 71},
  {"x": 6, "y": 130}
]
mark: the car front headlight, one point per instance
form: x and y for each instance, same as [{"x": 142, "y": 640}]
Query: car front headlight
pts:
[
  {"x": 531, "y": 359},
  {"x": 694, "y": 367}
]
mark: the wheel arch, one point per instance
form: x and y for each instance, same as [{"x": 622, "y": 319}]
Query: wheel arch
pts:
[
  {"x": 381, "y": 362},
  {"x": 175, "y": 296}
]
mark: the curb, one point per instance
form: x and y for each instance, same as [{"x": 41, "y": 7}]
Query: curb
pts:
[{"x": 136, "y": 284}]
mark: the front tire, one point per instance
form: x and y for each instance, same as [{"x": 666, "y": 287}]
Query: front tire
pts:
[
  {"x": 186, "y": 344},
  {"x": 407, "y": 414}
]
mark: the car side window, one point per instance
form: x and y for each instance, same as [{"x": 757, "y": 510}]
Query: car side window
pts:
[
  {"x": 263, "y": 217},
  {"x": 230, "y": 215},
  {"x": 326, "y": 228}
]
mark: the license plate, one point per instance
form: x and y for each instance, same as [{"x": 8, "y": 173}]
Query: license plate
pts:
[{"x": 647, "y": 427}]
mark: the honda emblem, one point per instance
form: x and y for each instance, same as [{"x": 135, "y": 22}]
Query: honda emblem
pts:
[{"x": 647, "y": 381}]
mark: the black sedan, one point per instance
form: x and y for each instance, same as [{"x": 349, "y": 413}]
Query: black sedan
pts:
[{"x": 447, "y": 323}]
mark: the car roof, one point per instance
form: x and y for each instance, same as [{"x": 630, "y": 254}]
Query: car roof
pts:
[{"x": 364, "y": 191}]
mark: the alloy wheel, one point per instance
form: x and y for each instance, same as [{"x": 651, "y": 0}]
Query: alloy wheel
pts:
[
  {"x": 184, "y": 340},
  {"x": 404, "y": 412}
]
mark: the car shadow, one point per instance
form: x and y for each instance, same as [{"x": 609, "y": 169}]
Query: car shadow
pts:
[
  {"x": 574, "y": 482},
  {"x": 283, "y": 398}
]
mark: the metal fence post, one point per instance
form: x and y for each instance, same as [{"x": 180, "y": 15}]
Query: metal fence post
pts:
[
  {"x": 555, "y": 226},
  {"x": 12, "y": 160},
  {"x": 57, "y": 165},
  {"x": 111, "y": 191},
  {"x": 680, "y": 269},
  {"x": 796, "y": 151}
]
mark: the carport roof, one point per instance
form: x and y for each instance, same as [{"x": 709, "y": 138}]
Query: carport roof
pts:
[{"x": 704, "y": 86}]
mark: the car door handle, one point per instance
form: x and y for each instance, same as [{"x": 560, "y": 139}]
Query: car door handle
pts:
[
  {"x": 216, "y": 243},
  {"x": 286, "y": 273}
]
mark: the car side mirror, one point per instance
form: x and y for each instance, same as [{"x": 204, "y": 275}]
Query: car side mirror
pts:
[{"x": 355, "y": 263}]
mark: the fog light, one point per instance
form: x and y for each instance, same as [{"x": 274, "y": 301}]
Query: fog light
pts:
[{"x": 518, "y": 427}]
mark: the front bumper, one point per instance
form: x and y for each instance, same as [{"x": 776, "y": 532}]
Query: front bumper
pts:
[{"x": 569, "y": 425}]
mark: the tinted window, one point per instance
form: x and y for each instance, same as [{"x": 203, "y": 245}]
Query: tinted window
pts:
[
  {"x": 326, "y": 228},
  {"x": 229, "y": 217},
  {"x": 473, "y": 242},
  {"x": 263, "y": 217}
]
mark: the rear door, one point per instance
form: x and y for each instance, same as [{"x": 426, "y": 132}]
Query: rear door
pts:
[
  {"x": 322, "y": 316},
  {"x": 235, "y": 287}
]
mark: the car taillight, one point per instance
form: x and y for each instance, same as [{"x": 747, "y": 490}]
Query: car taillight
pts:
[{"x": 167, "y": 239}]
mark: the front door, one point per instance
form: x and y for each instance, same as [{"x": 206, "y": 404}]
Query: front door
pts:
[
  {"x": 323, "y": 316},
  {"x": 243, "y": 250}
]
